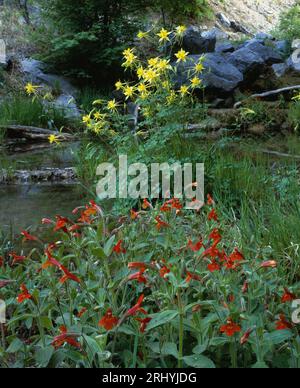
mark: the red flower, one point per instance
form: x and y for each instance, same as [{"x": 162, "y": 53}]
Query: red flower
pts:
[
  {"x": 191, "y": 276},
  {"x": 68, "y": 276},
  {"x": 160, "y": 223},
  {"x": 212, "y": 252},
  {"x": 214, "y": 266},
  {"x": 146, "y": 204},
  {"x": 16, "y": 258},
  {"x": 210, "y": 201},
  {"x": 4, "y": 283},
  {"x": 24, "y": 294},
  {"x": 137, "y": 265},
  {"x": 215, "y": 236},
  {"x": 134, "y": 215},
  {"x": 245, "y": 287},
  {"x": 269, "y": 264},
  {"x": 46, "y": 221},
  {"x": 288, "y": 296},
  {"x": 118, "y": 248},
  {"x": 109, "y": 321},
  {"x": 144, "y": 323},
  {"x": 213, "y": 216},
  {"x": 230, "y": 328},
  {"x": 137, "y": 307},
  {"x": 195, "y": 247},
  {"x": 51, "y": 261},
  {"x": 1, "y": 261},
  {"x": 283, "y": 324},
  {"x": 236, "y": 256},
  {"x": 61, "y": 224},
  {"x": 246, "y": 337},
  {"x": 139, "y": 276},
  {"x": 82, "y": 312},
  {"x": 28, "y": 237},
  {"x": 164, "y": 271},
  {"x": 65, "y": 338}
]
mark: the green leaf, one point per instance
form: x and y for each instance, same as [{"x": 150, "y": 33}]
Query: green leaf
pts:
[
  {"x": 260, "y": 365},
  {"x": 199, "y": 361},
  {"x": 170, "y": 349},
  {"x": 109, "y": 245},
  {"x": 46, "y": 323},
  {"x": 278, "y": 337},
  {"x": 43, "y": 356},
  {"x": 15, "y": 346},
  {"x": 162, "y": 318}
]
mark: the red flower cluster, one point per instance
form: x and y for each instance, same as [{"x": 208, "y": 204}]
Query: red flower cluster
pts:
[
  {"x": 24, "y": 294},
  {"x": 230, "y": 328},
  {"x": 109, "y": 321},
  {"x": 65, "y": 338}
]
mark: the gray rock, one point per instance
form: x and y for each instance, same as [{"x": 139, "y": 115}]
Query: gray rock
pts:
[
  {"x": 252, "y": 56},
  {"x": 263, "y": 36},
  {"x": 282, "y": 46},
  {"x": 237, "y": 27},
  {"x": 224, "y": 20},
  {"x": 225, "y": 47},
  {"x": 195, "y": 43},
  {"x": 219, "y": 75},
  {"x": 296, "y": 44},
  {"x": 280, "y": 69},
  {"x": 293, "y": 63},
  {"x": 215, "y": 33}
]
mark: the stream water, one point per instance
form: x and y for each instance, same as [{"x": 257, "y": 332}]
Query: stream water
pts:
[{"x": 23, "y": 206}]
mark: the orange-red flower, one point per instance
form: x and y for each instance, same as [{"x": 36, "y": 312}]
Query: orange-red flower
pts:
[
  {"x": 24, "y": 294},
  {"x": 213, "y": 216},
  {"x": 134, "y": 215},
  {"x": 269, "y": 264},
  {"x": 146, "y": 204},
  {"x": 215, "y": 236},
  {"x": 236, "y": 256},
  {"x": 109, "y": 321},
  {"x": 144, "y": 323},
  {"x": 118, "y": 248},
  {"x": 288, "y": 296},
  {"x": 212, "y": 252},
  {"x": 246, "y": 336},
  {"x": 210, "y": 201},
  {"x": 82, "y": 312},
  {"x": 195, "y": 247},
  {"x": 47, "y": 221},
  {"x": 137, "y": 265},
  {"x": 1, "y": 261},
  {"x": 192, "y": 276},
  {"x": 164, "y": 271},
  {"x": 160, "y": 223},
  {"x": 16, "y": 258},
  {"x": 28, "y": 237},
  {"x": 68, "y": 276},
  {"x": 230, "y": 328},
  {"x": 139, "y": 276},
  {"x": 214, "y": 266},
  {"x": 61, "y": 224},
  {"x": 137, "y": 307},
  {"x": 65, "y": 338},
  {"x": 283, "y": 324}
]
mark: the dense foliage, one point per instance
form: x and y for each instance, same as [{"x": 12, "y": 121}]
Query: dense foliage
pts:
[{"x": 289, "y": 26}]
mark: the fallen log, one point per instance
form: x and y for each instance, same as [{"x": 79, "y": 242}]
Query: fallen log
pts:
[
  {"x": 267, "y": 94},
  {"x": 34, "y": 133}
]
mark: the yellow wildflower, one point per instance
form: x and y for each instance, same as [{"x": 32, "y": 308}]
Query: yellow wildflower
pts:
[
  {"x": 163, "y": 35},
  {"x": 86, "y": 119},
  {"x": 181, "y": 56},
  {"x": 163, "y": 65},
  {"x": 153, "y": 62},
  {"x": 142, "y": 35},
  {"x": 184, "y": 90},
  {"x": 142, "y": 88},
  {"x": 171, "y": 98},
  {"x": 31, "y": 89},
  {"x": 112, "y": 105},
  {"x": 195, "y": 82},
  {"x": 53, "y": 139},
  {"x": 150, "y": 75},
  {"x": 119, "y": 85},
  {"x": 128, "y": 91},
  {"x": 180, "y": 30},
  {"x": 199, "y": 67},
  {"x": 140, "y": 72}
]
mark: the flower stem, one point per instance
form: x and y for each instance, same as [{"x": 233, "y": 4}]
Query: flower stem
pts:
[{"x": 181, "y": 331}]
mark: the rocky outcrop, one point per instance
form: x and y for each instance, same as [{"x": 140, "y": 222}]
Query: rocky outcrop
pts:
[{"x": 46, "y": 175}]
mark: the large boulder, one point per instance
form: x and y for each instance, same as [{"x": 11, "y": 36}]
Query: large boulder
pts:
[
  {"x": 225, "y": 47},
  {"x": 215, "y": 33},
  {"x": 254, "y": 56},
  {"x": 195, "y": 43},
  {"x": 218, "y": 76}
]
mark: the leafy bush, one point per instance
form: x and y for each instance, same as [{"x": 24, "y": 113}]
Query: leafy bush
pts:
[{"x": 289, "y": 26}]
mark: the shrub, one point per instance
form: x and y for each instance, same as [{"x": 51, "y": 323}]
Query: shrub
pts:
[{"x": 289, "y": 26}]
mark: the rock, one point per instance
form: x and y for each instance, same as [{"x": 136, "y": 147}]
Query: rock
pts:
[
  {"x": 280, "y": 69},
  {"x": 257, "y": 129},
  {"x": 195, "y": 43},
  {"x": 296, "y": 44},
  {"x": 53, "y": 175},
  {"x": 282, "y": 46},
  {"x": 263, "y": 36},
  {"x": 215, "y": 33},
  {"x": 67, "y": 104},
  {"x": 293, "y": 63},
  {"x": 252, "y": 56},
  {"x": 237, "y": 27},
  {"x": 218, "y": 76},
  {"x": 225, "y": 47},
  {"x": 224, "y": 20}
]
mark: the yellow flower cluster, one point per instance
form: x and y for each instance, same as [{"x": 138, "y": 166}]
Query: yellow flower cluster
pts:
[{"x": 154, "y": 80}]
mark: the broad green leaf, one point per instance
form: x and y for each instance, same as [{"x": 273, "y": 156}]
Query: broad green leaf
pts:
[
  {"x": 260, "y": 365},
  {"x": 170, "y": 349},
  {"x": 277, "y": 337},
  {"x": 46, "y": 322},
  {"x": 199, "y": 361},
  {"x": 15, "y": 346},
  {"x": 162, "y": 318},
  {"x": 109, "y": 245},
  {"x": 43, "y": 356}
]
